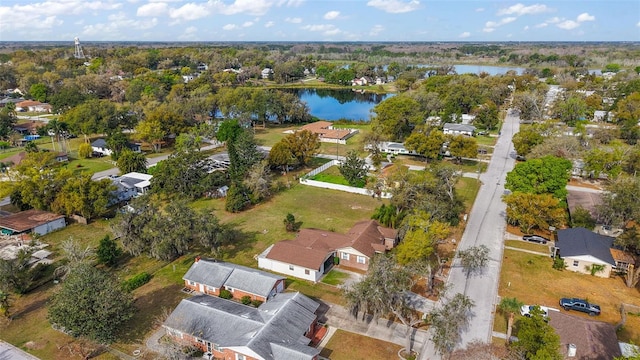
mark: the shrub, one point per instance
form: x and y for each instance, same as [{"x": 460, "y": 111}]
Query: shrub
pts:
[
  {"x": 85, "y": 151},
  {"x": 225, "y": 294},
  {"x": 136, "y": 281},
  {"x": 256, "y": 303},
  {"x": 246, "y": 300},
  {"x": 559, "y": 263}
]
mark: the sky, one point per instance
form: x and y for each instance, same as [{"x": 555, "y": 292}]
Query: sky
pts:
[{"x": 319, "y": 20}]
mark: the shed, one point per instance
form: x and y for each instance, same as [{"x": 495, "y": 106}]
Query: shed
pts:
[{"x": 37, "y": 221}]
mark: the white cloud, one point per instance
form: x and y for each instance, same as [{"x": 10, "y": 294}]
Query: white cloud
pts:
[
  {"x": 118, "y": 27},
  {"x": 585, "y": 17},
  {"x": 247, "y": 24},
  {"x": 554, "y": 20},
  {"x": 395, "y": 6},
  {"x": 526, "y": 28},
  {"x": 541, "y": 25},
  {"x": 251, "y": 7},
  {"x": 191, "y": 30},
  {"x": 520, "y": 9},
  {"x": 568, "y": 25},
  {"x": 152, "y": 9},
  {"x": 464, "y": 35},
  {"x": 638, "y": 24},
  {"x": 479, "y": 9},
  {"x": 295, "y": 20},
  {"x": 325, "y": 29},
  {"x": 332, "y": 15},
  {"x": 490, "y": 26},
  {"x": 376, "y": 30},
  {"x": 230, "y": 27},
  {"x": 188, "y": 12},
  {"x": 269, "y": 24}
]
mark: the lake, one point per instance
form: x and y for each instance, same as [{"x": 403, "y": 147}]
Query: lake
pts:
[{"x": 334, "y": 105}]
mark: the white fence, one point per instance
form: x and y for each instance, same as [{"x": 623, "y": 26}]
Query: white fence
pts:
[{"x": 325, "y": 185}]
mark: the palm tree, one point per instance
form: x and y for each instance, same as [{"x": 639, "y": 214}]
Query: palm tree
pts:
[
  {"x": 510, "y": 306},
  {"x": 58, "y": 128}
]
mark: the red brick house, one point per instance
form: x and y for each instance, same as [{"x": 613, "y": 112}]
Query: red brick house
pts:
[
  {"x": 280, "y": 329},
  {"x": 211, "y": 276},
  {"x": 311, "y": 254}
]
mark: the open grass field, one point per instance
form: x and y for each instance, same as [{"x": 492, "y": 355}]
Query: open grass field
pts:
[
  {"x": 345, "y": 345},
  {"x": 314, "y": 207},
  {"x": 531, "y": 279}
]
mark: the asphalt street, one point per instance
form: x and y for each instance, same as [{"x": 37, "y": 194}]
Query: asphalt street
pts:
[{"x": 486, "y": 226}]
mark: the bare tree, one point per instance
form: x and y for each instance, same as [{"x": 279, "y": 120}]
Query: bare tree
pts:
[{"x": 474, "y": 259}]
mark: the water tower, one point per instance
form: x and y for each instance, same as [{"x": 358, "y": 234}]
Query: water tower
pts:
[{"x": 78, "y": 53}]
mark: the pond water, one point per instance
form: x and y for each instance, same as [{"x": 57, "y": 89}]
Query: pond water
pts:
[{"x": 334, "y": 105}]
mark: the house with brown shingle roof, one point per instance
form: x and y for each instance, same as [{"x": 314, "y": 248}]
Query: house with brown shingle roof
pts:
[
  {"x": 326, "y": 132},
  {"x": 36, "y": 221},
  {"x": 584, "y": 338},
  {"x": 311, "y": 254}
]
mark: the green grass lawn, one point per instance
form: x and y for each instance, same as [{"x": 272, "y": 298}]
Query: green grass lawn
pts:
[
  {"x": 335, "y": 278},
  {"x": 486, "y": 140},
  {"x": 527, "y": 245},
  {"x": 345, "y": 345},
  {"x": 468, "y": 189}
]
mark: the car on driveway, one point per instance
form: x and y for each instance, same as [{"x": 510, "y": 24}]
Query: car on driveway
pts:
[
  {"x": 525, "y": 310},
  {"x": 580, "y": 305},
  {"x": 536, "y": 239}
]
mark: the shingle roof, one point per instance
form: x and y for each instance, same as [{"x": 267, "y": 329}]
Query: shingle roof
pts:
[
  {"x": 27, "y": 220},
  {"x": 459, "y": 127},
  {"x": 218, "y": 274},
  {"x": 322, "y": 128},
  {"x": 581, "y": 241},
  {"x": 275, "y": 330},
  {"x": 100, "y": 143},
  {"x": 312, "y": 246},
  {"x": 594, "y": 340}
]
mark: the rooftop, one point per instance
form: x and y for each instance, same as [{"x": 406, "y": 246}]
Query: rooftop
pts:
[{"x": 27, "y": 220}]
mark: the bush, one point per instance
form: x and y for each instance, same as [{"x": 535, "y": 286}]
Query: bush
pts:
[
  {"x": 225, "y": 294},
  {"x": 559, "y": 263},
  {"x": 108, "y": 251},
  {"x": 256, "y": 303},
  {"x": 136, "y": 281},
  {"x": 246, "y": 300},
  {"x": 85, "y": 151}
]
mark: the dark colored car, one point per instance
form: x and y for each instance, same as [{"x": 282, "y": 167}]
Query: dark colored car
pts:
[
  {"x": 580, "y": 305},
  {"x": 535, "y": 238}
]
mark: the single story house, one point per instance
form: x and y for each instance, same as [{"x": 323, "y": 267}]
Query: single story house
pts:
[
  {"x": 313, "y": 252},
  {"x": 130, "y": 185},
  {"x": 393, "y": 148},
  {"x": 602, "y": 115},
  {"x": 100, "y": 146},
  {"x": 326, "y": 132},
  {"x": 266, "y": 73},
  {"x": 581, "y": 248},
  {"x": 280, "y": 329},
  {"x": 459, "y": 129},
  {"x": 211, "y": 276},
  {"x": 582, "y": 338},
  {"x": 33, "y": 106},
  {"x": 35, "y": 221}
]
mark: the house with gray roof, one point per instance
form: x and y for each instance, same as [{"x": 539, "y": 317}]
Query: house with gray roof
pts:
[
  {"x": 211, "y": 276},
  {"x": 459, "y": 129},
  {"x": 581, "y": 249},
  {"x": 280, "y": 329},
  {"x": 129, "y": 186}
]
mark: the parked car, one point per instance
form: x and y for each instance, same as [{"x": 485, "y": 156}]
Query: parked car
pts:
[
  {"x": 525, "y": 310},
  {"x": 535, "y": 238},
  {"x": 580, "y": 305}
]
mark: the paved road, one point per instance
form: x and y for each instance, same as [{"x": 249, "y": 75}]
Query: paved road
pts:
[
  {"x": 486, "y": 226},
  {"x": 10, "y": 352}
]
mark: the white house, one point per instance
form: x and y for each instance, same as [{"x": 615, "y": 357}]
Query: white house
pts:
[
  {"x": 601, "y": 115},
  {"x": 393, "y": 148},
  {"x": 100, "y": 146},
  {"x": 459, "y": 129},
  {"x": 130, "y": 185},
  {"x": 266, "y": 73}
]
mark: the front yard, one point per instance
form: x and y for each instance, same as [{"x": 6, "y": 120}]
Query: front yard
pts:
[
  {"x": 531, "y": 279},
  {"x": 345, "y": 345}
]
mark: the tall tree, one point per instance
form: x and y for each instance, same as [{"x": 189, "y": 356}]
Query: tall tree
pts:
[
  {"x": 382, "y": 292},
  {"x": 525, "y": 140},
  {"x": 427, "y": 145},
  {"x": 537, "y": 338},
  {"x": 129, "y": 161},
  {"x": 474, "y": 259},
  {"x": 16, "y": 274},
  {"x": 396, "y": 117},
  {"x": 85, "y": 197},
  {"x": 243, "y": 154},
  {"x": 354, "y": 168},
  {"x": 280, "y": 155},
  {"x": 529, "y": 211},
  {"x": 448, "y": 320},
  {"x": 546, "y": 175},
  {"x": 463, "y": 147},
  {"x": 91, "y": 304},
  {"x": 487, "y": 116},
  {"x": 304, "y": 145}
]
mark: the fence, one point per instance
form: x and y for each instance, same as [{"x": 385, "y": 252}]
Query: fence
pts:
[{"x": 325, "y": 185}]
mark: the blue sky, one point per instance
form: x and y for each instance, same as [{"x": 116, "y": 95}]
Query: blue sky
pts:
[{"x": 319, "y": 20}]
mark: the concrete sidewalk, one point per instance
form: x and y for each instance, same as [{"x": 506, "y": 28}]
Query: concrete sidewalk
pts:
[{"x": 10, "y": 352}]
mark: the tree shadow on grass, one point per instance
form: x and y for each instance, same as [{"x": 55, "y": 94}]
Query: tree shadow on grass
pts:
[
  {"x": 149, "y": 309},
  {"x": 240, "y": 241}
]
